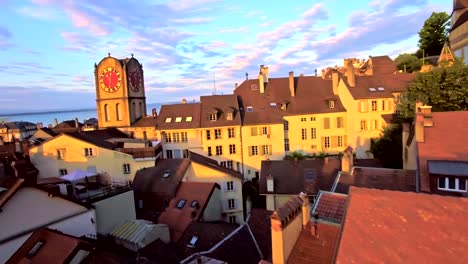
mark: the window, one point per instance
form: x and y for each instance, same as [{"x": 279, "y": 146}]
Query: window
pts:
[
  {"x": 250, "y": 109},
  {"x": 117, "y": 112},
  {"x": 194, "y": 204},
  {"x": 383, "y": 105},
  {"x": 374, "y": 124},
  {"x": 192, "y": 242},
  {"x": 327, "y": 142},
  {"x": 253, "y": 131},
  {"x": 374, "y": 105},
  {"x": 230, "y": 185},
  {"x": 188, "y": 119},
  {"x": 169, "y": 153},
  {"x": 363, "y": 125},
  {"x": 286, "y": 124},
  {"x": 60, "y": 154},
  {"x": 126, "y": 168},
  {"x": 177, "y": 154},
  {"x": 209, "y": 152},
  {"x": 232, "y": 219},
  {"x": 231, "y": 132},
  {"x": 340, "y": 141},
  {"x": 253, "y": 150},
  {"x": 452, "y": 184},
  {"x": 63, "y": 172},
  {"x": 286, "y": 144},
  {"x": 232, "y": 149},
  {"x": 331, "y": 104},
  {"x": 312, "y": 118},
  {"x": 273, "y": 105},
  {"x": 140, "y": 204},
  {"x": 208, "y": 134},
  {"x": 185, "y": 153},
  {"x": 339, "y": 122},
  {"x": 303, "y": 119},
  {"x": 184, "y": 137},
  {"x": 88, "y": 152},
  {"x": 304, "y": 134},
  {"x": 326, "y": 123},
  {"x": 168, "y": 138},
  {"x": 106, "y": 112},
  {"x": 181, "y": 203},
  {"x": 229, "y": 116},
  {"x": 219, "y": 150},
  {"x": 178, "y": 119},
  {"x": 145, "y": 136},
  {"x": 313, "y": 133},
  {"x": 229, "y": 164},
  {"x": 168, "y": 119},
  {"x": 231, "y": 204},
  {"x": 217, "y": 133},
  {"x": 175, "y": 137},
  {"x": 223, "y": 164},
  {"x": 212, "y": 116},
  {"x": 33, "y": 251},
  {"x": 266, "y": 150},
  {"x": 264, "y": 130}
]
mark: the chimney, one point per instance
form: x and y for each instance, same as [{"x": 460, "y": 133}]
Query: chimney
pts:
[
  {"x": 305, "y": 209},
  {"x": 291, "y": 84},
  {"x": 236, "y": 85},
  {"x": 77, "y": 124},
  {"x": 419, "y": 122},
  {"x": 335, "y": 80},
  {"x": 184, "y": 101},
  {"x": 154, "y": 113},
  {"x": 315, "y": 72},
  {"x": 347, "y": 160},
  {"x": 261, "y": 84},
  {"x": 55, "y": 122},
  {"x": 326, "y": 160},
  {"x": 264, "y": 71},
  {"x": 350, "y": 73},
  {"x": 270, "y": 184}
]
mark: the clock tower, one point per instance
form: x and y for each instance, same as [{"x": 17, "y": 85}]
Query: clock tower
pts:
[{"x": 120, "y": 92}]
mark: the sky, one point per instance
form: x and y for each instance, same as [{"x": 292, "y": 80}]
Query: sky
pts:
[{"x": 189, "y": 48}]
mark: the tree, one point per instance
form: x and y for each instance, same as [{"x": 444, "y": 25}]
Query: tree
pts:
[
  {"x": 408, "y": 62},
  {"x": 388, "y": 149},
  {"x": 443, "y": 88},
  {"x": 434, "y": 33}
]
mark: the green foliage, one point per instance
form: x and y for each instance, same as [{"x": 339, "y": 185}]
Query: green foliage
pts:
[
  {"x": 388, "y": 149},
  {"x": 322, "y": 155},
  {"x": 434, "y": 33},
  {"x": 408, "y": 62},
  {"x": 295, "y": 155},
  {"x": 443, "y": 88}
]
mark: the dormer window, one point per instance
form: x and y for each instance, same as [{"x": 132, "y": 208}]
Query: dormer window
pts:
[
  {"x": 283, "y": 106},
  {"x": 168, "y": 119},
  {"x": 188, "y": 119},
  {"x": 213, "y": 116},
  {"x": 178, "y": 119},
  {"x": 331, "y": 104},
  {"x": 250, "y": 109},
  {"x": 229, "y": 116}
]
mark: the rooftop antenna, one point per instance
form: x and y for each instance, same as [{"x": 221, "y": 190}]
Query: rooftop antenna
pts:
[{"x": 246, "y": 76}]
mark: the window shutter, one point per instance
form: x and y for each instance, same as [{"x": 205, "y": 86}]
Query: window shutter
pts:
[
  {"x": 390, "y": 105},
  {"x": 359, "y": 107},
  {"x": 323, "y": 142},
  {"x": 345, "y": 141}
]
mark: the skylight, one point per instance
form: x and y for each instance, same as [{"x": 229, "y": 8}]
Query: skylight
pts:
[
  {"x": 372, "y": 89},
  {"x": 188, "y": 119},
  {"x": 181, "y": 203},
  {"x": 272, "y": 104},
  {"x": 168, "y": 119},
  {"x": 194, "y": 203},
  {"x": 250, "y": 109},
  {"x": 178, "y": 119},
  {"x": 35, "y": 248},
  {"x": 192, "y": 242},
  {"x": 166, "y": 173},
  {"x": 380, "y": 88}
]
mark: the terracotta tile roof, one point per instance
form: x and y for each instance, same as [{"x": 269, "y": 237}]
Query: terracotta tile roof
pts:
[
  {"x": 288, "y": 208},
  {"x": 208, "y": 235},
  {"x": 153, "y": 180},
  {"x": 179, "y": 219},
  {"x": 260, "y": 225},
  {"x": 238, "y": 248},
  {"x": 179, "y": 110},
  {"x": 442, "y": 141},
  {"x": 403, "y": 227},
  {"x": 222, "y": 105},
  {"x": 321, "y": 250},
  {"x": 203, "y": 160},
  {"x": 146, "y": 121},
  {"x": 382, "y": 64},
  {"x": 56, "y": 248},
  {"x": 391, "y": 83},
  {"x": 312, "y": 95},
  {"x": 293, "y": 177},
  {"x": 330, "y": 206},
  {"x": 378, "y": 178},
  {"x": 99, "y": 137}
]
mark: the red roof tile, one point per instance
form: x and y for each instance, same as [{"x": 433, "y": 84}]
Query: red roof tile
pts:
[
  {"x": 403, "y": 227},
  {"x": 330, "y": 206},
  {"x": 311, "y": 250},
  {"x": 442, "y": 141},
  {"x": 222, "y": 104},
  {"x": 179, "y": 110},
  {"x": 179, "y": 219}
]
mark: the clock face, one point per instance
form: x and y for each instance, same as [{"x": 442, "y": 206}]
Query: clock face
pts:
[
  {"x": 135, "y": 79},
  {"x": 110, "y": 80}
]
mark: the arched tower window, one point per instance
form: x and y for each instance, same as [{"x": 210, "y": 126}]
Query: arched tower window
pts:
[
  {"x": 141, "y": 109},
  {"x": 106, "y": 112},
  {"x": 118, "y": 112}
]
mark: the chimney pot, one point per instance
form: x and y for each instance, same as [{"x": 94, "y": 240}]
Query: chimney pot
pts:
[
  {"x": 350, "y": 73},
  {"x": 154, "y": 113},
  {"x": 236, "y": 85},
  {"x": 184, "y": 101},
  {"x": 335, "y": 80}
]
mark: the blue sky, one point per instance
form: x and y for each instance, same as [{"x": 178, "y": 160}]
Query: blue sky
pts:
[{"x": 48, "y": 47}]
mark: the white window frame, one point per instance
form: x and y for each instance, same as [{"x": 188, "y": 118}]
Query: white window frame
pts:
[
  {"x": 126, "y": 168},
  {"x": 89, "y": 152},
  {"x": 231, "y": 132},
  {"x": 374, "y": 105},
  {"x": 230, "y": 186},
  {"x": 457, "y": 184},
  {"x": 231, "y": 204},
  {"x": 63, "y": 172}
]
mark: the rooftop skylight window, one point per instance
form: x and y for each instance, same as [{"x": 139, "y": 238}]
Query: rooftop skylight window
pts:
[
  {"x": 188, "y": 119},
  {"x": 372, "y": 89},
  {"x": 168, "y": 119},
  {"x": 166, "y": 173},
  {"x": 178, "y": 119},
  {"x": 380, "y": 89},
  {"x": 250, "y": 109},
  {"x": 272, "y": 104},
  {"x": 192, "y": 242},
  {"x": 181, "y": 203}
]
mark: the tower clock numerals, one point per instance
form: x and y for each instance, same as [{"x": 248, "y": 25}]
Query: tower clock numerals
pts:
[{"x": 110, "y": 80}]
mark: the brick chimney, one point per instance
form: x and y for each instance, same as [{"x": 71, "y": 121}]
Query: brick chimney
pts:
[
  {"x": 350, "y": 72},
  {"x": 264, "y": 71},
  {"x": 261, "y": 83},
  {"x": 305, "y": 209},
  {"x": 292, "y": 89},
  {"x": 347, "y": 160},
  {"x": 286, "y": 225},
  {"x": 423, "y": 119},
  {"x": 335, "y": 80}
]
